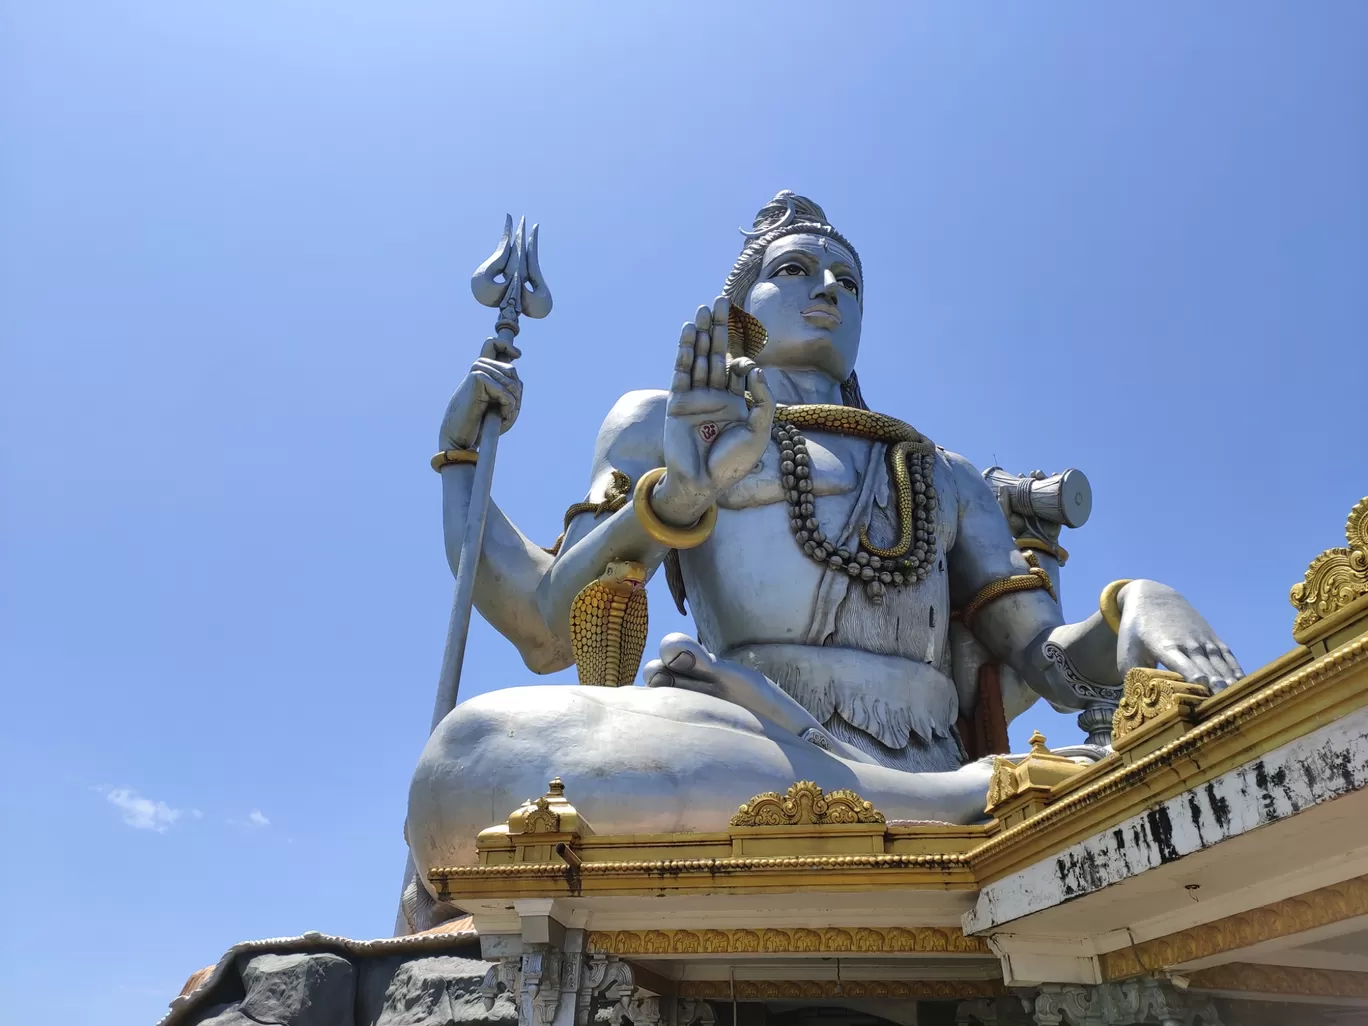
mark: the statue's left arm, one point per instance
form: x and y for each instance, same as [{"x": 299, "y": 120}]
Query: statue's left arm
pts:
[{"x": 1024, "y": 626}]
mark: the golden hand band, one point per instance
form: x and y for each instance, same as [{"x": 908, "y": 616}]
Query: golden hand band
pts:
[
  {"x": 668, "y": 534},
  {"x": 447, "y": 457}
]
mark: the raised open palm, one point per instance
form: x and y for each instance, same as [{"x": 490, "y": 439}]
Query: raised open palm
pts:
[{"x": 713, "y": 437}]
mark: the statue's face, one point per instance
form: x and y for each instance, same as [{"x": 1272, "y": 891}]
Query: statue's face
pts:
[{"x": 808, "y": 299}]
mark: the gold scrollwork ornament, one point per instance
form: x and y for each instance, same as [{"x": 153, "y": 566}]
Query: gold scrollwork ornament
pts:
[
  {"x": 806, "y": 804},
  {"x": 1336, "y": 579}
]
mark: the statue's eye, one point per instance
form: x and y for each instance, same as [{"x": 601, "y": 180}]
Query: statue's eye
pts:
[
  {"x": 792, "y": 270},
  {"x": 850, "y": 285}
]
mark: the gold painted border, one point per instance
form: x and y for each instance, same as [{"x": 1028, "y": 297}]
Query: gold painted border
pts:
[
  {"x": 862, "y": 939},
  {"x": 1307, "y": 911},
  {"x": 770, "y": 990},
  {"x": 1283, "y": 980}
]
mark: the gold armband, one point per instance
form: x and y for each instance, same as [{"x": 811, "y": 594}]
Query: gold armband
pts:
[
  {"x": 667, "y": 534},
  {"x": 1110, "y": 603},
  {"x": 1037, "y": 578},
  {"x": 447, "y": 457},
  {"x": 1059, "y": 552}
]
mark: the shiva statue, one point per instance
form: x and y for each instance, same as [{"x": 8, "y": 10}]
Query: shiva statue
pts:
[{"x": 836, "y": 562}]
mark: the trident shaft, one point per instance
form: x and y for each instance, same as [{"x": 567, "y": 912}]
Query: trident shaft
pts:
[{"x": 522, "y": 291}]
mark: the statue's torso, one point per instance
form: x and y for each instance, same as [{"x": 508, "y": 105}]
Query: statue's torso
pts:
[{"x": 756, "y": 596}]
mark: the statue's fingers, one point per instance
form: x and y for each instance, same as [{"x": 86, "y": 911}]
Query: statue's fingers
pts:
[
  {"x": 1225, "y": 673},
  {"x": 717, "y": 360},
  {"x": 762, "y": 413},
  {"x": 503, "y": 372},
  {"x": 499, "y": 394},
  {"x": 737, "y": 371},
  {"x": 496, "y": 348},
  {"x": 1230, "y": 660},
  {"x": 721, "y": 316},
  {"x": 1200, "y": 660},
  {"x": 684, "y": 360},
  {"x": 1180, "y": 664},
  {"x": 702, "y": 351},
  {"x": 494, "y": 374}
]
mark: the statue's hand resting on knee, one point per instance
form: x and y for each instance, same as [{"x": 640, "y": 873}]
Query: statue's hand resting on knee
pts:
[
  {"x": 713, "y": 437},
  {"x": 1159, "y": 626},
  {"x": 684, "y": 663}
]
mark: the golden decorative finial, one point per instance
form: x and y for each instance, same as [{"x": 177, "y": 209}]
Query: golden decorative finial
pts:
[
  {"x": 805, "y": 804},
  {"x": 549, "y": 814},
  {"x": 1020, "y": 789},
  {"x": 1336, "y": 580}
]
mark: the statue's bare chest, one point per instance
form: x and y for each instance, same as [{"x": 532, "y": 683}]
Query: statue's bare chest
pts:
[
  {"x": 752, "y": 582},
  {"x": 837, "y": 465}
]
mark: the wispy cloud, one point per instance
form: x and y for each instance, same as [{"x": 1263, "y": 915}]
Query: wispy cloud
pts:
[
  {"x": 138, "y": 812},
  {"x": 254, "y": 821}
]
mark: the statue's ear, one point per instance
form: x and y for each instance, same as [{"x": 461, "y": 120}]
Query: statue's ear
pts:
[{"x": 745, "y": 334}]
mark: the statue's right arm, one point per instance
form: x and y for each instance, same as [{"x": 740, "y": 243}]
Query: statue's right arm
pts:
[
  {"x": 511, "y": 566},
  {"x": 628, "y": 442}
]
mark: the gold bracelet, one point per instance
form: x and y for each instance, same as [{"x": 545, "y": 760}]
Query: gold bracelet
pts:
[
  {"x": 667, "y": 534},
  {"x": 447, "y": 457},
  {"x": 1110, "y": 605}
]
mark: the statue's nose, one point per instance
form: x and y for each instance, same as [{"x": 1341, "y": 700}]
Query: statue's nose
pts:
[{"x": 829, "y": 288}]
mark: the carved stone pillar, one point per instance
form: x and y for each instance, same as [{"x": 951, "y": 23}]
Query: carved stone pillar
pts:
[
  {"x": 555, "y": 987},
  {"x": 1129, "y": 1003}
]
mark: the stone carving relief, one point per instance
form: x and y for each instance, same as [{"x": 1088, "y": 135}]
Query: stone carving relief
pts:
[{"x": 1117, "y": 1004}]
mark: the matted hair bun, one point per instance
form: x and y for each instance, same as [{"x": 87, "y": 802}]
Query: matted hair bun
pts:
[{"x": 786, "y": 208}]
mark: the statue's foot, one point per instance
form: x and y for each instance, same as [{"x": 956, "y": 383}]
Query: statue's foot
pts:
[{"x": 685, "y": 663}]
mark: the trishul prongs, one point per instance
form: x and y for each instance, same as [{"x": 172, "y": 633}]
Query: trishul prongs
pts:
[{"x": 522, "y": 289}]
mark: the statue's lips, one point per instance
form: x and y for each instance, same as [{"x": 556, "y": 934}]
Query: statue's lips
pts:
[{"x": 823, "y": 311}]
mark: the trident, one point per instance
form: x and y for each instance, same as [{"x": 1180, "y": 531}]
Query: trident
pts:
[{"x": 522, "y": 291}]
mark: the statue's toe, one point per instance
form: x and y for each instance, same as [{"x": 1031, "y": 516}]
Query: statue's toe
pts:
[
  {"x": 682, "y": 654},
  {"x": 654, "y": 675}
]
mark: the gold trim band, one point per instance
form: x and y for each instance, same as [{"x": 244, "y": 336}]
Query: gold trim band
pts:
[
  {"x": 668, "y": 534},
  {"x": 447, "y": 457},
  {"x": 863, "y": 940},
  {"x": 1309, "y": 910},
  {"x": 772, "y": 990},
  {"x": 1110, "y": 603}
]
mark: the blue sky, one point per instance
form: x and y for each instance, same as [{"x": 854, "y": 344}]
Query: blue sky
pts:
[{"x": 235, "y": 240}]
